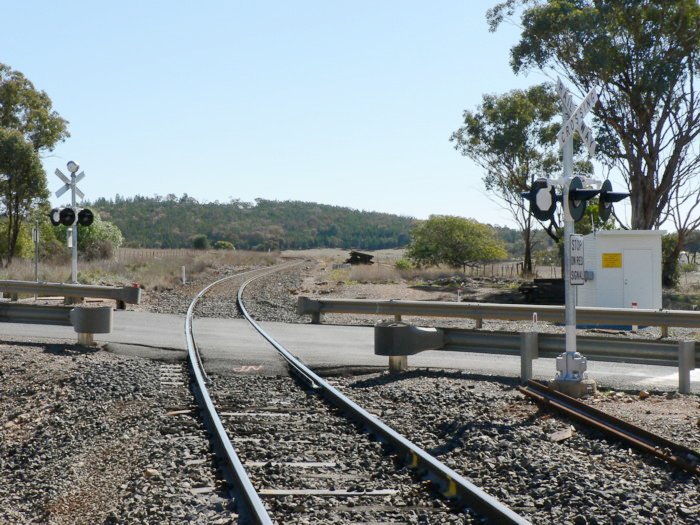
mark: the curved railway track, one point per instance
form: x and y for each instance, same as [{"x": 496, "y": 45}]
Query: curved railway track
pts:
[{"x": 286, "y": 435}]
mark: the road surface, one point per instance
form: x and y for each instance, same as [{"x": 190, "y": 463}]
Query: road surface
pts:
[{"x": 232, "y": 345}]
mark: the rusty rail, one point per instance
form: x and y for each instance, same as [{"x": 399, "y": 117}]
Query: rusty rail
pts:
[{"x": 646, "y": 441}]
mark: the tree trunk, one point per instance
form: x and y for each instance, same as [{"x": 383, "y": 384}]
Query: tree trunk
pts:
[{"x": 527, "y": 257}]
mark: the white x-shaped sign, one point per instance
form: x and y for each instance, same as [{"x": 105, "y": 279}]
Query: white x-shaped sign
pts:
[
  {"x": 68, "y": 183},
  {"x": 575, "y": 116}
]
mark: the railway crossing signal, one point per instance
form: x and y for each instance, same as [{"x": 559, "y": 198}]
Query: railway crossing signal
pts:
[
  {"x": 606, "y": 199},
  {"x": 576, "y": 191},
  {"x": 543, "y": 199},
  {"x": 68, "y": 216}
]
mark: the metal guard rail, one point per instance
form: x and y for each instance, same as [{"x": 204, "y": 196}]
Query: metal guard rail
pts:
[
  {"x": 611, "y": 349},
  {"x": 124, "y": 294},
  {"x": 511, "y": 312},
  {"x": 35, "y": 314}
]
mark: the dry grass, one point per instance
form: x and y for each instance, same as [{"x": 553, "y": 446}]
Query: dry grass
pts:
[{"x": 151, "y": 269}]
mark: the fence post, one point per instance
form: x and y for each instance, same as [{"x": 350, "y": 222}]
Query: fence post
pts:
[
  {"x": 686, "y": 363},
  {"x": 529, "y": 350}
]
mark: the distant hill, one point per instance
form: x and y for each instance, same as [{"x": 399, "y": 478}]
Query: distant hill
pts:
[{"x": 171, "y": 222}]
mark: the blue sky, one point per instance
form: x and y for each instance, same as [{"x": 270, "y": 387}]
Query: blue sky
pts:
[{"x": 343, "y": 103}]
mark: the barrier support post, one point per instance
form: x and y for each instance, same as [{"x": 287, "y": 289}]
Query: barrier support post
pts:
[
  {"x": 529, "y": 350},
  {"x": 686, "y": 363},
  {"x": 398, "y": 364}
]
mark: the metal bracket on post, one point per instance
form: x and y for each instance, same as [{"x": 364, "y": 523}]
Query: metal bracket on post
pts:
[
  {"x": 686, "y": 363},
  {"x": 309, "y": 306},
  {"x": 89, "y": 321},
  {"x": 399, "y": 340}
]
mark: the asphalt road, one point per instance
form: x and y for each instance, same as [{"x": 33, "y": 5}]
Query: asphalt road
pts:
[{"x": 233, "y": 346}]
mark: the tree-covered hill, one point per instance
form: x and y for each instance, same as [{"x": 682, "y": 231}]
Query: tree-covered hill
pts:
[{"x": 172, "y": 222}]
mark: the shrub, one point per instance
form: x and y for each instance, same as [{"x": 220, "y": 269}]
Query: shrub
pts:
[
  {"x": 200, "y": 242},
  {"x": 223, "y": 245},
  {"x": 670, "y": 272},
  {"x": 403, "y": 264}
]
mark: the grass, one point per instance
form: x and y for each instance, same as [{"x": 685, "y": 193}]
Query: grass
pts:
[{"x": 151, "y": 269}]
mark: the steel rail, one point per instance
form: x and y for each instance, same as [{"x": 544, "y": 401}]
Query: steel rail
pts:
[
  {"x": 679, "y": 455},
  {"x": 253, "y": 508},
  {"x": 452, "y": 484},
  {"x": 514, "y": 312}
]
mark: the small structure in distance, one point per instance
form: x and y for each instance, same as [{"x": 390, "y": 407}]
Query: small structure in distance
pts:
[{"x": 360, "y": 258}]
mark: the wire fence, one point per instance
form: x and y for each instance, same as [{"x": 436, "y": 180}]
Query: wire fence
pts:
[{"x": 130, "y": 255}]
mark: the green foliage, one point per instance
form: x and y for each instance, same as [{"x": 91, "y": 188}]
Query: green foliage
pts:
[
  {"x": 454, "y": 241},
  {"x": 513, "y": 138},
  {"x": 283, "y": 225},
  {"x": 97, "y": 241},
  {"x": 223, "y": 245},
  {"x": 25, "y": 247},
  {"x": 100, "y": 239},
  {"x": 25, "y": 109},
  {"x": 403, "y": 264},
  {"x": 22, "y": 185},
  {"x": 200, "y": 242},
  {"x": 670, "y": 271},
  {"x": 643, "y": 57}
]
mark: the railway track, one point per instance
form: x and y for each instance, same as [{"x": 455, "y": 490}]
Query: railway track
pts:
[
  {"x": 648, "y": 442},
  {"x": 294, "y": 451}
]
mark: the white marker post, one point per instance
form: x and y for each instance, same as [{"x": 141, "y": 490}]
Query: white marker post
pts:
[{"x": 71, "y": 184}]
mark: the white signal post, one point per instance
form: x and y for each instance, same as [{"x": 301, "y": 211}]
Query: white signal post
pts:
[
  {"x": 71, "y": 184},
  {"x": 571, "y": 366}
]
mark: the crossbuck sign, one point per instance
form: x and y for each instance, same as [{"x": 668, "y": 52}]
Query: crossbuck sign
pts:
[{"x": 575, "y": 117}]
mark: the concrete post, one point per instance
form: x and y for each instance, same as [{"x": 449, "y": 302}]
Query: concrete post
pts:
[
  {"x": 686, "y": 363},
  {"x": 529, "y": 350},
  {"x": 398, "y": 363}
]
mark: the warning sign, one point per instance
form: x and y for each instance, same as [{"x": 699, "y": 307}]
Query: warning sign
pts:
[
  {"x": 576, "y": 276},
  {"x": 611, "y": 260}
]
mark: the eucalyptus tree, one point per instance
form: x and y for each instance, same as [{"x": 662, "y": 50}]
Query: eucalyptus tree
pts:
[
  {"x": 28, "y": 127},
  {"x": 22, "y": 185},
  {"x": 512, "y": 137},
  {"x": 643, "y": 56},
  {"x": 29, "y": 111}
]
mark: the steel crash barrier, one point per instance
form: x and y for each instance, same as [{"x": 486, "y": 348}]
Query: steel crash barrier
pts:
[
  {"x": 85, "y": 321},
  {"x": 398, "y": 340},
  {"x": 122, "y": 295},
  {"x": 511, "y": 312}
]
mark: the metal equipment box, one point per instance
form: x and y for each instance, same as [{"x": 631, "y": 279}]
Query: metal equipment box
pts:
[{"x": 622, "y": 267}]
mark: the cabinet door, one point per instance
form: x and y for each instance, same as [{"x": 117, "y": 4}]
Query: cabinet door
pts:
[{"x": 637, "y": 278}]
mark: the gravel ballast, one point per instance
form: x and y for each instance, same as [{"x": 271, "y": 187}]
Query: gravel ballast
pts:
[{"x": 91, "y": 437}]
